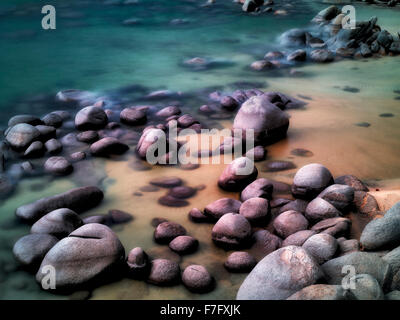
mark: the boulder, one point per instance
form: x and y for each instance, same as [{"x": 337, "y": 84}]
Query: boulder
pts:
[
  {"x": 35, "y": 150},
  {"x": 31, "y": 249},
  {"x": 321, "y": 246},
  {"x": 298, "y": 238},
  {"x": 338, "y": 195},
  {"x": 164, "y": 272},
  {"x": 78, "y": 200},
  {"x": 58, "y": 166},
  {"x": 279, "y": 275},
  {"x": 298, "y": 55},
  {"x": 268, "y": 122},
  {"x": 52, "y": 120},
  {"x": 264, "y": 242},
  {"x": 229, "y": 103},
  {"x": 197, "y": 279},
  {"x": 289, "y": 222},
  {"x": 89, "y": 136},
  {"x": 351, "y": 181},
  {"x": 311, "y": 180},
  {"x": 24, "y": 118},
  {"x": 238, "y": 174},
  {"x": 240, "y": 261},
  {"x": 366, "y": 288},
  {"x": 53, "y": 146},
  {"x": 322, "y": 55},
  {"x": 231, "y": 231},
  {"x": 108, "y": 146},
  {"x": 167, "y": 231},
  {"x": 133, "y": 116},
  {"x": 197, "y": 216},
  {"x": 148, "y": 138},
  {"x": 138, "y": 263},
  {"x": 218, "y": 208},
  {"x": 261, "y": 65},
  {"x": 184, "y": 244},
  {"x": 256, "y": 210},
  {"x": 336, "y": 227},
  {"x": 319, "y": 209},
  {"x": 86, "y": 255},
  {"x": 322, "y": 292},
  {"x": 22, "y": 135},
  {"x": 293, "y": 38},
  {"x": 46, "y": 132},
  {"x": 91, "y": 118},
  {"x": 59, "y": 223},
  {"x": 326, "y": 15},
  {"x": 260, "y": 188},
  {"x": 384, "y": 232}
]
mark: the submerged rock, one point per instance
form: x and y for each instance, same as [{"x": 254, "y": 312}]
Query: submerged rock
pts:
[
  {"x": 238, "y": 174},
  {"x": 165, "y": 232},
  {"x": 197, "y": 279},
  {"x": 22, "y": 135},
  {"x": 91, "y": 118},
  {"x": 58, "y": 166},
  {"x": 108, "y": 146}
]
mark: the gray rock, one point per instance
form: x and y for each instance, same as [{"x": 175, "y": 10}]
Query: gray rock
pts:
[
  {"x": 336, "y": 227},
  {"x": 22, "y": 135},
  {"x": 89, "y": 136},
  {"x": 393, "y": 295},
  {"x": 53, "y": 146},
  {"x": 164, "y": 272},
  {"x": 365, "y": 50},
  {"x": 293, "y": 38},
  {"x": 31, "y": 249},
  {"x": 366, "y": 288},
  {"x": 78, "y": 200},
  {"x": 289, "y": 222},
  {"x": 298, "y": 55},
  {"x": 59, "y": 223},
  {"x": 338, "y": 195},
  {"x": 35, "y": 150},
  {"x": 197, "y": 279},
  {"x": 383, "y": 232},
  {"x": 310, "y": 180},
  {"x": 238, "y": 174},
  {"x": 322, "y": 292},
  {"x": 319, "y": 209},
  {"x": 87, "y": 254},
  {"x": 138, "y": 263},
  {"x": 91, "y": 118},
  {"x": 298, "y": 238},
  {"x": 222, "y": 206},
  {"x": 24, "y": 118},
  {"x": 168, "y": 112},
  {"x": 279, "y": 275},
  {"x": 58, "y": 166},
  {"x": 260, "y": 188},
  {"x": 363, "y": 262},
  {"x": 184, "y": 244},
  {"x": 321, "y": 246},
  {"x": 167, "y": 231},
  {"x": 348, "y": 246},
  {"x": 231, "y": 231},
  {"x": 393, "y": 258},
  {"x": 395, "y": 47},
  {"x": 133, "y": 116},
  {"x": 108, "y": 146},
  {"x": 256, "y": 210},
  {"x": 240, "y": 261},
  {"x": 52, "y": 120}
]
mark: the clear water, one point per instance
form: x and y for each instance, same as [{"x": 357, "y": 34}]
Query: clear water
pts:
[{"x": 92, "y": 50}]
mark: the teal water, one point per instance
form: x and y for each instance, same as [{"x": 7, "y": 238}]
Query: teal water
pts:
[{"x": 92, "y": 50}]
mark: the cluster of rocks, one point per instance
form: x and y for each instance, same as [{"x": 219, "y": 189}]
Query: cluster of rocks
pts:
[{"x": 328, "y": 39}]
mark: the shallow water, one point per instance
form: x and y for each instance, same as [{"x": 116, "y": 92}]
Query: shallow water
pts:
[{"x": 91, "y": 50}]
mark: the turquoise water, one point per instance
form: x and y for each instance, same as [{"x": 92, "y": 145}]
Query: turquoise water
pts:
[{"x": 92, "y": 50}]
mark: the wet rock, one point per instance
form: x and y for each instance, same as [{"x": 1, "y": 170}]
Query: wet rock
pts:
[
  {"x": 289, "y": 222},
  {"x": 167, "y": 182},
  {"x": 363, "y": 262},
  {"x": 326, "y": 14},
  {"x": 261, "y": 65},
  {"x": 395, "y": 47},
  {"x": 84, "y": 256},
  {"x": 184, "y": 244},
  {"x": 168, "y": 112},
  {"x": 351, "y": 181},
  {"x": 256, "y": 210},
  {"x": 148, "y": 138},
  {"x": 165, "y": 232},
  {"x": 264, "y": 242},
  {"x": 24, "y": 118},
  {"x": 206, "y": 109},
  {"x": 338, "y": 195},
  {"x": 156, "y": 221},
  {"x": 365, "y": 50},
  {"x": 59, "y": 223},
  {"x": 238, "y": 174},
  {"x": 118, "y": 216},
  {"x": 133, "y": 116},
  {"x": 108, "y": 146},
  {"x": 197, "y": 279},
  {"x": 22, "y": 135},
  {"x": 301, "y": 152},
  {"x": 53, "y": 146},
  {"x": 78, "y": 200},
  {"x": 336, "y": 227},
  {"x": 58, "y": 166},
  {"x": 298, "y": 55},
  {"x": 186, "y": 120},
  {"x": 63, "y": 114},
  {"x": 220, "y": 207},
  {"x": 182, "y": 192},
  {"x": 386, "y": 115},
  {"x": 31, "y": 249},
  {"x": 296, "y": 205},
  {"x": 91, "y": 118},
  {"x": 257, "y": 153},
  {"x": 46, "y": 132},
  {"x": 384, "y": 232},
  {"x": 321, "y": 246},
  {"x": 310, "y": 180},
  {"x": 366, "y": 288},
  {"x": 393, "y": 258},
  {"x": 320, "y": 209},
  {"x": 272, "y": 55},
  {"x": 322, "y": 55},
  {"x": 274, "y": 166},
  {"x": 231, "y": 231},
  {"x": 74, "y": 96},
  {"x": 196, "y": 215},
  {"x": 78, "y": 156},
  {"x": 279, "y": 275},
  {"x": 229, "y": 103},
  {"x": 384, "y": 38},
  {"x": 170, "y": 201},
  {"x": 164, "y": 272},
  {"x": 298, "y": 238},
  {"x": 35, "y": 150},
  {"x": 102, "y": 219},
  {"x": 269, "y": 122},
  {"x": 240, "y": 261},
  {"x": 365, "y": 203},
  {"x": 322, "y": 292},
  {"x": 70, "y": 141},
  {"x": 89, "y": 136},
  {"x": 293, "y": 38},
  {"x": 27, "y": 167},
  {"x": 138, "y": 263},
  {"x": 52, "y": 120},
  {"x": 348, "y": 246}
]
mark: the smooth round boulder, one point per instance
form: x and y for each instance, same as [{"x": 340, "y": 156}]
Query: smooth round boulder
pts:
[
  {"x": 289, "y": 222},
  {"x": 264, "y": 242},
  {"x": 321, "y": 246},
  {"x": 22, "y": 135},
  {"x": 164, "y": 272},
  {"x": 138, "y": 263},
  {"x": 167, "y": 231},
  {"x": 108, "y": 146},
  {"x": 89, "y": 136},
  {"x": 218, "y": 208},
  {"x": 59, "y": 223},
  {"x": 184, "y": 245},
  {"x": 197, "y": 279},
  {"x": 320, "y": 209},
  {"x": 53, "y": 146},
  {"x": 32, "y": 248},
  {"x": 256, "y": 210},
  {"x": 58, "y": 166},
  {"x": 338, "y": 195},
  {"x": 133, "y": 116},
  {"x": 85, "y": 256},
  {"x": 310, "y": 180},
  {"x": 366, "y": 288},
  {"x": 240, "y": 261},
  {"x": 46, "y": 132},
  {"x": 322, "y": 292},
  {"x": 77, "y": 156},
  {"x": 298, "y": 238},
  {"x": 91, "y": 118},
  {"x": 231, "y": 231},
  {"x": 238, "y": 174},
  {"x": 279, "y": 275},
  {"x": 260, "y": 188}
]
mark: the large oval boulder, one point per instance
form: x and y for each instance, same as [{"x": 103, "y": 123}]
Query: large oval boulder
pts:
[{"x": 279, "y": 275}]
